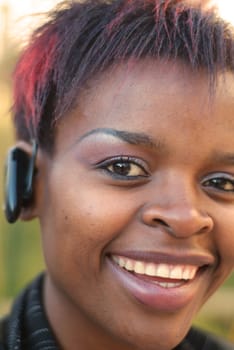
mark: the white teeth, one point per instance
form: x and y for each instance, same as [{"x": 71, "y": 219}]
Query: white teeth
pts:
[
  {"x": 192, "y": 272},
  {"x": 173, "y": 285},
  {"x": 179, "y": 272},
  {"x": 129, "y": 265},
  {"x": 176, "y": 272},
  {"x": 122, "y": 262},
  {"x": 186, "y": 273},
  {"x": 169, "y": 285},
  {"x": 139, "y": 267},
  {"x": 162, "y": 284},
  {"x": 163, "y": 271},
  {"x": 150, "y": 270}
]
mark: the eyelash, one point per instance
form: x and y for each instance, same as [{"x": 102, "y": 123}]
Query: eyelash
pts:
[
  {"x": 108, "y": 166},
  {"x": 219, "y": 183}
]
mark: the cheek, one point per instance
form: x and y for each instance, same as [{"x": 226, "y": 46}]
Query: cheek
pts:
[
  {"x": 79, "y": 224},
  {"x": 97, "y": 214},
  {"x": 224, "y": 241},
  {"x": 225, "y": 244}
]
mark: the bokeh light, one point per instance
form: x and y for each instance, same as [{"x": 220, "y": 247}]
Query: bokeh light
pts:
[{"x": 226, "y": 9}]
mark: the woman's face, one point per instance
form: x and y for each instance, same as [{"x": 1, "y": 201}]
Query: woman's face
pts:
[{"x": 136, "y": 206}]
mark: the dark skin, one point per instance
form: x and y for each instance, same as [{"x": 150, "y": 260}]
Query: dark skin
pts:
[{"x": 164, "y": 188}]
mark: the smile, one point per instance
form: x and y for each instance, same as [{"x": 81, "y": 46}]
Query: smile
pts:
[
  {"x": 160, "y": 281},
  {"x": 173, "y": 275}
]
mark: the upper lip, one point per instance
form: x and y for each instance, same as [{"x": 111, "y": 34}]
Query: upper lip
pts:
[{"x": 173, "y": 258}]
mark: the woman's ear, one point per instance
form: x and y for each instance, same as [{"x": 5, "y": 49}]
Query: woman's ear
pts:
[{"x": 22, "y": 179}]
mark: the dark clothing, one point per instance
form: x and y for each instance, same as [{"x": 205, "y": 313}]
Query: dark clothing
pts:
[{"x": 27, "y": 327}]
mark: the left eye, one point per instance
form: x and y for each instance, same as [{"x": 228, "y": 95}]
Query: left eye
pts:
[
  {"x": 127, "y": 168},
  {"x": 220, "y": 183}
]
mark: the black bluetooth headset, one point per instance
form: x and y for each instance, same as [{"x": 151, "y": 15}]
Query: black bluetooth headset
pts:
[{"x": 20, "y": 170}]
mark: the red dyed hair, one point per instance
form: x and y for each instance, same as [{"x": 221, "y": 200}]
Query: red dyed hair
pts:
[{"x": 81, "y": 39}]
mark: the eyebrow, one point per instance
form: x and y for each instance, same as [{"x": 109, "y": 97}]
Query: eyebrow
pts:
[
  {"x": 223, "y": 157},
  {"x": 133, "y": 138}
]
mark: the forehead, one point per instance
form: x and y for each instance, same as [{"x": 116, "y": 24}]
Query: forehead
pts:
[
  {"x": 136, "y": 95},
  {"x": 140, "y": 84}
]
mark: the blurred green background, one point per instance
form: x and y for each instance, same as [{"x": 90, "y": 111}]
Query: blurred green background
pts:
[{"x": 20, "y": 251}]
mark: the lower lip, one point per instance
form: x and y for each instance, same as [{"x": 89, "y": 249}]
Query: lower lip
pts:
[{"x": 152, "y": 294}]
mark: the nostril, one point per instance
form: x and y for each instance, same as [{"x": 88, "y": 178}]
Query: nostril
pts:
[
  {"x": 161, "y": 222},
  {"x": 204, "y": 229}
]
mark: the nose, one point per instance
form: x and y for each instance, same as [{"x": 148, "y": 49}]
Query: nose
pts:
[{"x": 177, "y": 212}]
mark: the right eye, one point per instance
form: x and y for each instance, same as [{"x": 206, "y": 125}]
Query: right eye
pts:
[{"x": 124, "y": 168}]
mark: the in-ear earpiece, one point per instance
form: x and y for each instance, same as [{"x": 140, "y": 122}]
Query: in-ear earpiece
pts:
[{"x": 20, "y": 169}]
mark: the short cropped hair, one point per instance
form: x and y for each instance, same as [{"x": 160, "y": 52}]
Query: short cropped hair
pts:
[{"x": 81, "y": 39}]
